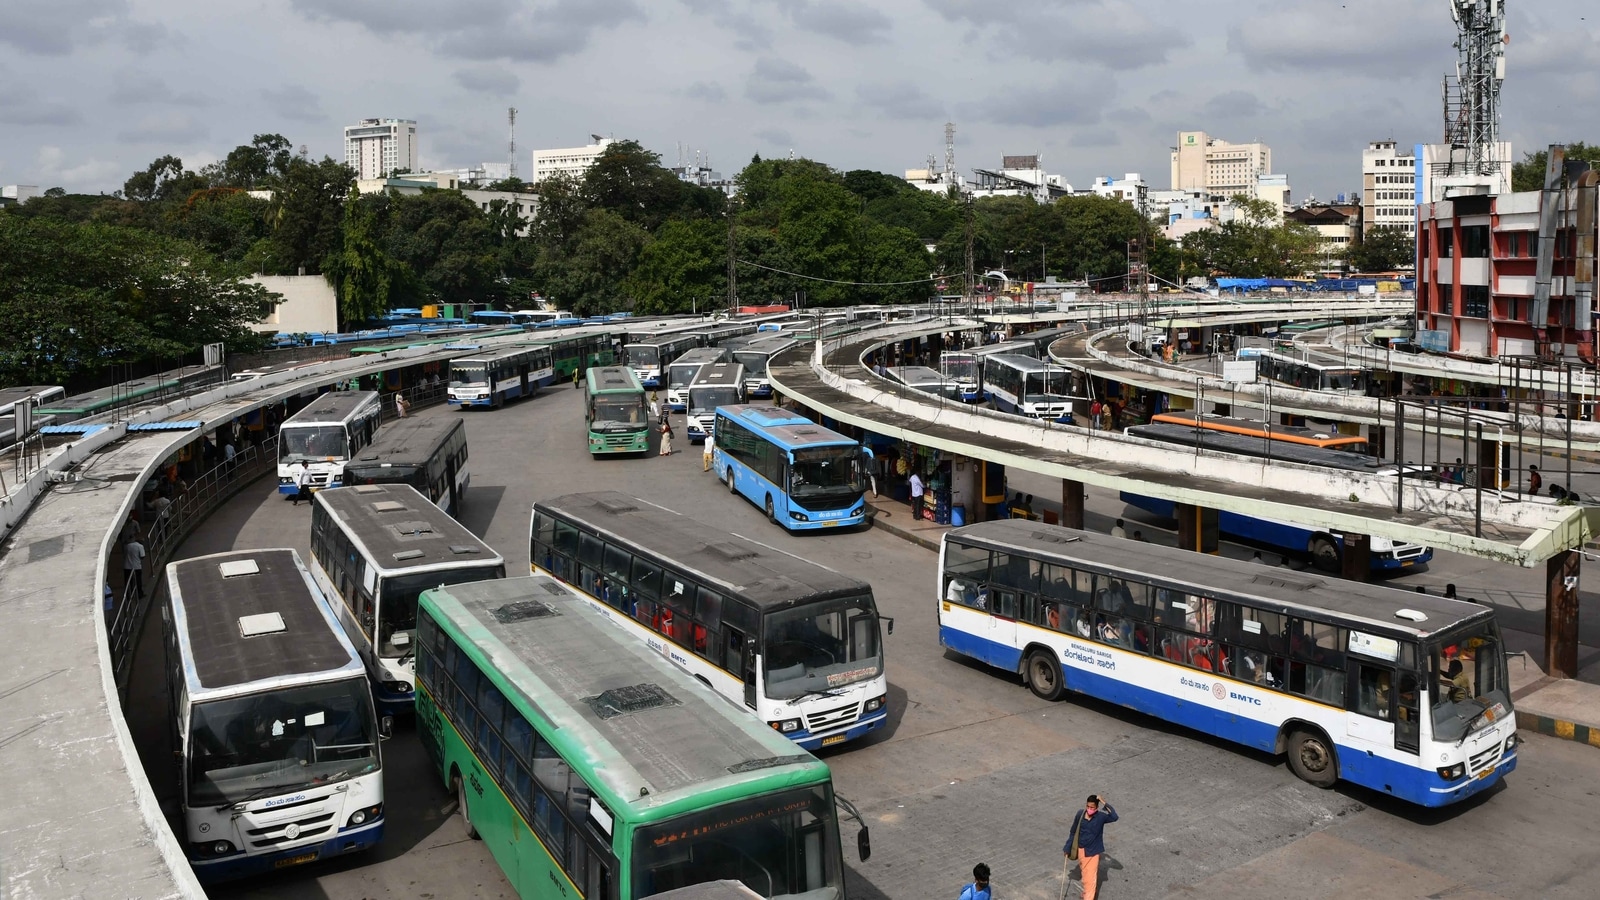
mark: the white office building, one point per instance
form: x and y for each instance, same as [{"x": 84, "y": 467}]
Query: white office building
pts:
[
  {"x": 1388, "y": 188},
  {"x": 572, "y": 161},
  {"x": 377, "y": 148}
]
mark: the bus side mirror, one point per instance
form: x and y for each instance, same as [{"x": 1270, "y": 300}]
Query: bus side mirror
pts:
[
  {"x": 864, "y": 844},
  {"x": 889, "y": 623},
  {"x": 386, "y": 728}
]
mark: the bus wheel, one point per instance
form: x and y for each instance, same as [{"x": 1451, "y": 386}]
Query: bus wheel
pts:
[
  {"x": 772, "y": 515},
  {"x": 1313, "y": 759},
  {"x": 1043, "y": 675},
  {"x": 1325, "y": 553},
  {"x": 731, "y": 488},
  {"x": 461, "y": 807}
]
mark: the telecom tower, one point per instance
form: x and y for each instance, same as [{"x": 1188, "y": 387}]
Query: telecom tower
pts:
[
  {"x": 511, "y": 147},
  {"x": 1472, "y": 102},
  {"x": 949, "y": 152}
]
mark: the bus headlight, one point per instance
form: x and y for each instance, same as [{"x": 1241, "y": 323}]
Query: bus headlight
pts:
[
  {"x": 876, "y": 703},
  {"x": 785, "y": 725},
  {"x": 1511, "y": 744},
  {"x": 1452, "y": 773},
  {"x": 363, "y": 816},
  {"x": 213, "y": 848},
  {"x": 798, "y": 516},
  {"x": 396, "y": 687}
]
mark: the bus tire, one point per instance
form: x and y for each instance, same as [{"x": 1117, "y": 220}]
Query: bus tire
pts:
[
  {"x": 1325, "y": 553},
  {"x": 731, "y": 488},
  {"x": 1043, "y": 675},
  {"x": 772, "y": 515},
  {"x": 461, "y": 807},
  {"x": 1313, "y": 758}
]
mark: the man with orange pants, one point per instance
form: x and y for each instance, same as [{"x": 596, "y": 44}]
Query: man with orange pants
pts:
[{"x": 1089, "y": 827}]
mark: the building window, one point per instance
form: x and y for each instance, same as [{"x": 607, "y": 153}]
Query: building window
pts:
[
  {"x": 1475, "y": 300},
  {"x": 1447, "y": 243},
  {"x": 1475, "y": 242}
]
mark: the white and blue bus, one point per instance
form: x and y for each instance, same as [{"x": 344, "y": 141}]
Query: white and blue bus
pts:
[
  {"x": 804, "y": 475},
  {"x": 755, "y": 354},
  {"x": 428, "y": 454},
  {"x": 965, "y": 368},
  {"x": 1403, "y": 693},
  {"x": 490, "y": 379},
  {"x": 1024, "y": 386},
  {"x": 685, "y": 369},
  {"x": 796, "y": 644},
  {"x": 717, "y": 385},
  {"x": 648, "y": 356},
  {"x": 324, "y": 435},
  {"x": 272, "y": 717},
  {"x": 374, "y": 549}
]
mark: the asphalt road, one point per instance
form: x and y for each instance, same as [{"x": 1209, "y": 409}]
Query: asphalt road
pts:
[{"x": 973, "y": 767}]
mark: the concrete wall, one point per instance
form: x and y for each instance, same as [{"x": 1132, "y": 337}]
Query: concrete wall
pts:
[{"x": 309, "y": 304}]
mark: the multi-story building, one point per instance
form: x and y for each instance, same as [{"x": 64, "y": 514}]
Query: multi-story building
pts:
[
  {"x": 19, "y": 193},
  {"x": 522, "y": 203},
  {"x": 1477, "y": 272},
  {"x": 572, "y": 161},
  {"x": 1126, "y": 188},
  {"x": 1203, "y": 163},
  {"x": 1337, "y": 227},
  {"x": 377, "y": 148},
  {"x": 1389, "y": 188},
  {"x": 1020, "y": 176}
]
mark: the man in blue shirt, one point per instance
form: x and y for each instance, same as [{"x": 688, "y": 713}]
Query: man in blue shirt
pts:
[
  {"x": 1090, "y": 824},
  {"x": 979, "y": 888}
]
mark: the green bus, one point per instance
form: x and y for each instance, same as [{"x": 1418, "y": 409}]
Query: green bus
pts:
[
  {"x": 615, "y": 408},
  {"x": 594, "y": 768},
  {"x": 577, "y": 352}
]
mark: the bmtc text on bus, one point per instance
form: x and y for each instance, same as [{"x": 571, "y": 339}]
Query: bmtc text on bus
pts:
[{"x": 803, "y": 475}]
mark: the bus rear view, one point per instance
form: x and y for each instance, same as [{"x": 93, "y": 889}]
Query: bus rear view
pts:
[{"x": 273, "y": 717}]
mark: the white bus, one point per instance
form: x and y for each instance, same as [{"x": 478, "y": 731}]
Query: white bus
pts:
[
  {"x": 493, "y": 377},
  {"x": 796, "y": 643},
  {"x": 374, "y": 548},
  {"x": 1027, "y": 387},
  {"x": 1403, "y": 693},
  {"x": 719, "y": 384},
  {"x": 685, "y": 369},
  {"x": 324, "y": 435},
  {"x": 272, "y": 717},
  {"x": 755, "y": 354}
]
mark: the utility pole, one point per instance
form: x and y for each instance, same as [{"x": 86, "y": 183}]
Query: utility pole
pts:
[
  {"x": 971, "y": 289},
  {"x": 733, "y": 282},
  {"x": 1139, "y": 258}
]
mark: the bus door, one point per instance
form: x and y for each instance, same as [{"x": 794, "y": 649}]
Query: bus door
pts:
[
  {"x": 747, "y": 666},
  {"x": 1383, "y": 709},
  {"x": 1000, "y": 650},
  {"x": 522, "y": 375}
]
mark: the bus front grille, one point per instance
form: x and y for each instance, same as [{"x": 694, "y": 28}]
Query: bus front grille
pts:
[
  {"x": 1486, "y": 759},
  {"x": 274, "y": 834},
  {"x": 833, "y": 718}
]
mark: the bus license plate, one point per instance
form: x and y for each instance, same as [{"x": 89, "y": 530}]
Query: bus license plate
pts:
[
  {"x": 1486, "y": 773},
  {"x": 836, "y": 739},
  {"x": 295, "y": 860},
  {"x": 1407, "y": 562},
  {"x": 830, "y": 522}
]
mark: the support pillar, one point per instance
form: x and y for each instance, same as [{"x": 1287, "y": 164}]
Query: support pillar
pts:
[
  {"x": 1197, "y": 528},
  {"x": 1222, "y": 409},
  {"x": 1071, "y": 503},
  {"x": 1356, "y": 561},
  {"x": 1561, "y": 615},
  {"x": 1378, "y": 440}
]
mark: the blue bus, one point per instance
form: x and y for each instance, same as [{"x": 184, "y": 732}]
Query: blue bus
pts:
[{"x": 804, "y": 475}]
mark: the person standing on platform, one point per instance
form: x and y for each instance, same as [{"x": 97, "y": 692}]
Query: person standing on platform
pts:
[
  {"x": 1088, "y": 840},
  {"x": 666, "y": 438},
  {"x": 133, "y": 566},
  {"x": 916, "y": 494},
  {"x": 1118, "y": 531}
]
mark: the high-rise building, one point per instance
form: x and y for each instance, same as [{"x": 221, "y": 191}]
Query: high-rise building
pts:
[
  {"x": 377, "y": 148},
  {"x": 1390, "y": 181},
  {"x": 1203, "y": 163},
  {"x": 572, "y": 161}
]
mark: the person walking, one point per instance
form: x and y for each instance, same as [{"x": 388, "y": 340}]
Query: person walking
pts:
[
  {"x": 706, "y": 450},
  {"x": 133, "y": 566},
  {"x": 302, "y": 483},
  {"x": 666, "y": 439},
  {"x": 401, "y": 407},
  {"x": 576, "y": 377},
  {"x": 979, "y": 888},
  {"x": 655, "y": 408},
  {"x": 228, "y": 454},
  {"x": 916, "y": 495},
  {"x": 1086, "y": 842},
  {"x": 1535, "y": 480}
]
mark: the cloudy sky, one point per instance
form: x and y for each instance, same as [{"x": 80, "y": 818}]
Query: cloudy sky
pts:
[{"x": 91, "y": 90}]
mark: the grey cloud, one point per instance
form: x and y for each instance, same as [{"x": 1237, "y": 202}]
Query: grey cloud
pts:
[
  {"x": 1098, "y": 137},
  {"x": 499, "y": 82},
  {"x": 18, "y": 107},
  {"x": 60, "y": 27},
  {"x": 1074, "y": 102},
  {"x": 844, "y": 21},
  {"x": 751, "y": 33},
  {"x": 484, "y": 29},
  {"x": 983, "y": 12},
  {"x": 1312, "y": 36},
  {"x": 294, "y": 103},
  {"x": 708, "y": 91},
  {"x": 168, "y": 128},
  {"x": 900, "y": 100},
  {"x": 776, "y": 137},
  {"x": 1113, "y": 33},
  {"x": 779, "y": 81},
  {"x": 134, "y": 88},
  {"x": 1234, "y": 105}
]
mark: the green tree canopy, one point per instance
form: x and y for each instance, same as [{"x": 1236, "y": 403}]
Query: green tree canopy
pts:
[
  {"x": 1528, "y": 175},
  {"x": 1383, "y": 250},
  {"x": 1254, "y": 245}
]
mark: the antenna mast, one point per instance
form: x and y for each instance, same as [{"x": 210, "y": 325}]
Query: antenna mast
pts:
[
  {"x": 1472, "y": 102},
  {"x": 949, "y": 153},
  {"x": 511, "y": 147}
]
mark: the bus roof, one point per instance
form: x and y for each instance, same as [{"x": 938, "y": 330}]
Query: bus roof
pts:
[
  {"x": 766, "y": 577},
  {"x": 789, "y": 430},
  {"x": 613, "y": 379},
  {"x": 655, "y": 733},
  {"x": 719, "y": 374},
  {"x": 406, "y": 442},
  {"x": 1258, "y": 446},
  {"x": 332, "y": 406},
  {"x": 709, "y": 890},
  {"x": 498, "y": 353},
  {"x": 401, "y": 529},
  {"x": 1296, "y": 593},
  {"x": 1281, "y": 433},
  {"x": 699, "y": 356},
  {"x": 216, "y": 599}
]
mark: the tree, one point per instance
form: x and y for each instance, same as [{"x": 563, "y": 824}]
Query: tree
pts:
[
  {"x": 1254, "y": 244},
  {"x": 587, "y": 275},
  {"x": 366, "y": 278},
  {"x": 162, "y": 180},
  {"x": 681, "y": 269},
  {"x": 227, "y": 222},
  {"x": 1383, "y": 250},
  {"x": 630, "y": 181},
  {"x": 258, "y": 164},
  {"x": 1528, "y": 175},
  {"x": 306, "y": 216}
]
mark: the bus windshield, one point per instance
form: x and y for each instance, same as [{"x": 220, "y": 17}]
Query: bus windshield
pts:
[
  {"x": 262, "y": 744},
  {"x": 782, "y": 845},
  {"x": 310, "y": 443},
  {"x": 963, "y": 367},
  {"x": 397, "y": 607},
  {"x": 707, "y": 398},
  {"x": 1050, "y": 381},
  {"x": 819, "y": 646},
  {"x": 1468, "y": 689},
  {"x": 681, "y": 376},
  {"x": 644, "y": 355},
  {"x": 755, "y": 363},
  {"x": 826, "y": 472},
  {"x": 468, "y": 375},
  {"x": 1343, "y": 379},
  {"x": 619, "y": 414}
]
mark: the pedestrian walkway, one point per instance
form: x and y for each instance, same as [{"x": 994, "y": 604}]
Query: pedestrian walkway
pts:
[{"x": 1559, "y": 707}]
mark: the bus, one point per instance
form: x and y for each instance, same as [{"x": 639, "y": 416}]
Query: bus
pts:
[
  {"x": 925, "y": 379},
  {"x": 32, "y": 396},
  {"x": 685, "y": 369},
  {"x": 755, "y": 354},
  {"x": 373, "y": 549},
  {"x": 577, "y": 353},
  {"x": 965, "y": 368},
  {"x": 428, "y": 454},
  {"x": 793, "y": 642},
  {"x": 1312, "y": 376},
  {"x": 615, "y": 408},
  {"x": 1027, "y": 387},
  {"x": 1352, "y": 681},
  {"x": 591, "y": 767},
  {"x": 804, "y": 475},
  {"x": 150, "y": 389},
  {"x": 272, "y": 717},
  {"x": 324, "y": 436},
  {"x": 491, "y": 378},
  {"x": 647, "y": 356},
  {"x": 719, "y": 384},
  {"x": 1266, "y": 431}
]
